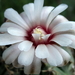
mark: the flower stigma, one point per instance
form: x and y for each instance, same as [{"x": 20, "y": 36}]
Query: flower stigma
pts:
[{"x": 39, "y": 31}]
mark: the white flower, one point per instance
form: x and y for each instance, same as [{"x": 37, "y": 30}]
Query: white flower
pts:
[{"x": 36, "y": 34}]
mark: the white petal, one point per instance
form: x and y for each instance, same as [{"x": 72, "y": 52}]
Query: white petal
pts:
[
  {"x": 45, "y": 12},
  {"x": 3, "y": 30},
  {"x": 25, "y": 18},
  {"x": 12, "y": 57},
  {"x": 5, "y": 25},
  {"x": 9, "y": 24},
  {"x": 16, "y": 64},
  {"x": 16, "y": 31},
  {"x": 10, "y": 54},
  {"x": 72, "y": 45},
  {"x": 64, "y": 26},
  {"x": 29, "y": 11},
  {"x": 62, "y": 40},
  {"x": 13, "y": 15},
  {"x": 26, "y": 58},
  {"x": 57, "y": 20},
  {"x": 56, "y": 56},
  {"x": 8, "y": 51},
  {"x": 51, "y": 60},
  {"x": 38, "y": 5},
  {"x": 71, "y": 37},
  {"x": 46, "y": 37},
  {"x": 73, "y": 24},
  {"x": 34, "y": 68},
  {"x": 55, "y": 12},
  {"x": 25, "y": 45},
  {"x": 36, "y": 37},
  {"x": 41, "y": 51},
  {"x": 6, "y": 39},
  {"x": 37, "y": 65},
  {"x": 64, "y": 54}
]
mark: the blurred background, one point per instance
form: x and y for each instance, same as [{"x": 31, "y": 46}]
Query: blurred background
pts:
[
  {"x": 69, "y": 69},
  {"x": 17, "y": 5}
]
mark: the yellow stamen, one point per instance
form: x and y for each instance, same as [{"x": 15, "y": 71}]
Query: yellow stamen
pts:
[{"x": 39, "y": 31}]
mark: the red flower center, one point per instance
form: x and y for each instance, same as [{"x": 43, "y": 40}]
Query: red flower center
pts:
[{"x": 41, "y": 31}]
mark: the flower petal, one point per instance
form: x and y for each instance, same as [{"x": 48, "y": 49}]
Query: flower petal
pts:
[
  {"x": 45, "y": 12},
  {"x": 51, "y": 60},
  {"x": 13, "y": 15},
  {"x": 55, "y": 54},
  {"x": 3, "y": 30},
  {"x": 16, "y": 64},
  {"x": 34, "y": 68},
  {"x": 64, "y": 54},
  {"x": 8, "y": 51},
  {"x": 38, "y": 5},
  {"x": 73, "y": 24},
  {"x": 41, "y": 51},
  {"x": 26, "y": 58},
  {"x": 6, "y": 39},
  {"x": 26, "y": 19},
  {"x": 25, "y": 45},
  {"x": 57, "y": 20},
  {"x": 10, "y": 54},
  {"x": 9, "y": 24},
  {"x": 60, "y": 8},
  {"x": 16, "y": 31},
  {"x": 36, "y": 37},
  {"x": 62, "y": 40},
  {"x": 64, "y": 26},
  {"x": 5, "y": 25},
  {"x": 12, "y": 57},
  {"x": 46, "y": 37},
  {"x": 29, "y": 11},
  {"x": 71, "y": 37}
]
